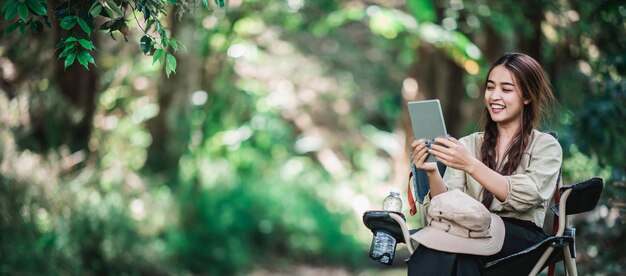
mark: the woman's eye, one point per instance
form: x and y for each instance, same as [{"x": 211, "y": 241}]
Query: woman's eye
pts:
[
  {"x": 507, "y": 90},
  {"x": 490, "y": 88}
]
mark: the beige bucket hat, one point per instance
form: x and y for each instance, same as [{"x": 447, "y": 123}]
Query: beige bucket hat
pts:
[{"x": 458, "y": 223}]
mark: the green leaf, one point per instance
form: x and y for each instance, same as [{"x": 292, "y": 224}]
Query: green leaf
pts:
[
  {"x": 165, "y": 42},
  {"x": 36, "y": 26},
  {"x": 83, "y": 25},
  {"x": 12, "y": 27},
  {"x": 96, "y": 9},
  {"x": 220, "y": 3},
  {"x": 10, "y": 9},
  {"x": 149, "y": 24},
  {"x": 174, "y": 44},
  {"x": 37, "y": 7},
  {"x": 205, "y": 3},
  {"x": 114, "y": 7},
  {"x": 86, "y": 44},
  {"x": 422, "y": 10},
  {"x": 69, "y": 60},
  {"x": 146, "y": 44},
  {"x": 22, "y": 26},
  {"x": 68, "y": 22},
  {"x": 170, "y": 65},
  {"x": 84, "y": 58},
  {"x": 22, "y": 10},
  {"x": 68, "y": 50},
  {"x": 70, "y": 39},
  {"x": 157, "y": 55},
  {"x": 109, "y": 12}
]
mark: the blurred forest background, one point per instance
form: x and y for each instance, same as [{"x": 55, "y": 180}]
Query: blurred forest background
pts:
[{"x": 283, "y": 122}]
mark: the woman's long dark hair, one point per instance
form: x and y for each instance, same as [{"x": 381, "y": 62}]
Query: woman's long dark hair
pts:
[{"x": 534, "y": 86}]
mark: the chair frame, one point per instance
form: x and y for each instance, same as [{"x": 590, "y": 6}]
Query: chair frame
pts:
[
  {"x": 563, "y": 239},
  {"x": 570, "y": 262}
]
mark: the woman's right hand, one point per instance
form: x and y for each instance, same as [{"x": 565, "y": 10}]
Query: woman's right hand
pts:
[{"x": 420, "y": 153}]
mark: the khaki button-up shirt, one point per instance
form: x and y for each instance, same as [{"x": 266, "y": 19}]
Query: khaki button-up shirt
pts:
[{"x": 531, "y": 186}]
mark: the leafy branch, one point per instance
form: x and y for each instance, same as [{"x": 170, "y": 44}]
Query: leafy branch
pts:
[{"x": 81, "y": 18}]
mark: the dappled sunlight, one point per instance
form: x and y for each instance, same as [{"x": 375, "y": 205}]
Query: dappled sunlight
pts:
[{"x": 256, "y": 139}]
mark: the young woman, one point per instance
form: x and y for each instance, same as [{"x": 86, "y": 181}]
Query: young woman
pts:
[{"x": 510, "y": 167}]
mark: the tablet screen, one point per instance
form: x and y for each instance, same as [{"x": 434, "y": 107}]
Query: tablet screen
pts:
[{"x": 427, "y": 121}]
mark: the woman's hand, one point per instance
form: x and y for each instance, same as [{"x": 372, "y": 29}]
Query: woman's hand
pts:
[
  {"x": 420, "y": 153},
  {"x": 453, "y": 154}
]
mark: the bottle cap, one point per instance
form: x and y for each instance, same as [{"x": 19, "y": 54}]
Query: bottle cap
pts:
[{"x": 394, "y": 192}]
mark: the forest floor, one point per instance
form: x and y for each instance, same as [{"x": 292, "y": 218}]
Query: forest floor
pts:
[{"x": 305, "y": 270}]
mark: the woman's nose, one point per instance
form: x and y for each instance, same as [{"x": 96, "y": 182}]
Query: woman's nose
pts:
[{"x": 495, "y": 94}]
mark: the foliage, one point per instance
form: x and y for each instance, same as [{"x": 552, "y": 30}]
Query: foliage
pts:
[
  {"x": 80, "y": 18},
  {"x": 283, "y": 123}
]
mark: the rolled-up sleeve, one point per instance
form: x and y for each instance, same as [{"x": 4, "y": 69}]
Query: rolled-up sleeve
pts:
[
  {"x": 456, "y": 179},
  {"x": 538, "y": 182}
]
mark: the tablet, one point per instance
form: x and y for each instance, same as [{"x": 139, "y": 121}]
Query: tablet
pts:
[{"x": 427, "y": 121}]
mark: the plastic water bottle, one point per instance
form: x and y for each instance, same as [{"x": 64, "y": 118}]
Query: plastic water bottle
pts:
[
  {"x": 383, "y": 246},
  {"x": 392, "y": 202}
]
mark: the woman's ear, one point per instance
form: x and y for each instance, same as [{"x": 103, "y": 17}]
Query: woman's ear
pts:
[{"x": 526, "y": 102}]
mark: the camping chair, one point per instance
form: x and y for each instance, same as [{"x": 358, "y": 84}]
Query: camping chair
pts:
[{"x": 575, "y": 199}]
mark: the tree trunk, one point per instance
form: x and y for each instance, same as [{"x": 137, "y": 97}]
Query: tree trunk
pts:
[
  {"x": 530, "y": 43},
  {"x": 170, "y": 128},
  {"x": 79, "y": 86},
  {"x": 439, "y": 77}
]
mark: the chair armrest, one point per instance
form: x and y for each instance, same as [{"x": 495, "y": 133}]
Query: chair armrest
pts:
[{"x": 393, "y": 223}]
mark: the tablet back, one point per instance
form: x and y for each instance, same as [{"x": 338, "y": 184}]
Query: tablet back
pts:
[{"x": 427, "y": 121}]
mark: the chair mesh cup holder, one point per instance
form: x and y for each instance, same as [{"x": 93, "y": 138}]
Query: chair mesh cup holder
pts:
[
  {"x": 382, "y": 222},
  {"x": 387, "y": 257}
]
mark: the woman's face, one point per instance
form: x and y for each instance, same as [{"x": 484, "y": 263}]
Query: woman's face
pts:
[{"x": 503, "y": 97}]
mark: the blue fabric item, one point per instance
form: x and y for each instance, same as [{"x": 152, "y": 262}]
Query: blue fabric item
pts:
[{"x": 420, "y": 181}]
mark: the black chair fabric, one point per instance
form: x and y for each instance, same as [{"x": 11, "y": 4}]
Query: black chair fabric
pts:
[
  {"x": 522, "y": 263},
  {"x": 380, "y": 220},
  {"x": 584, "y": 197}
]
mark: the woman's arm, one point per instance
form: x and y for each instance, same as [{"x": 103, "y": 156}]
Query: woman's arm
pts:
[
  {"x": 452, "y": 153},
  {"x": 494, "y": 182}
]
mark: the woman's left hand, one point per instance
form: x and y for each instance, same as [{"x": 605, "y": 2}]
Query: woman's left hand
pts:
[{"x": 452, "y": 153}]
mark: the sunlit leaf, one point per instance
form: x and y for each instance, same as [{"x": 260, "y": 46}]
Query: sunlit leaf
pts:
[
  {"x": 70, "y": 60},
  {"x": 96, "y": 9},
  {"x": 170, "y": 64},
  {"x": 157, "y": 55},
  {"x": 86, "y": 44},
  {"x": 108, "y": 11},
  {"x": 114, "y": 7},
  {"x": 422, "y": 10},
  {"x": 174, "y": 44},
  {"x": 386, "y": 23}
]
